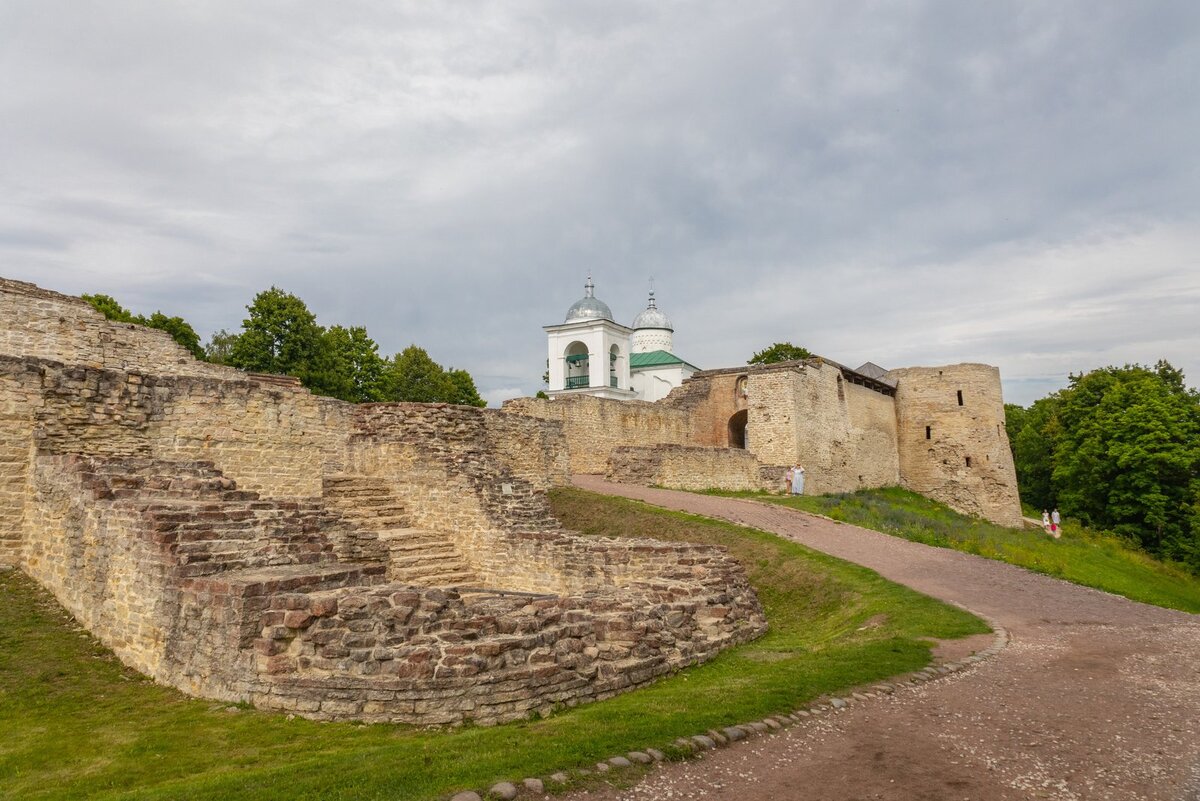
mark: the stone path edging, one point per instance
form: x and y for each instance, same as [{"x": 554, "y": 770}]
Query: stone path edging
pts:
[{"x": 712, "y": 738}]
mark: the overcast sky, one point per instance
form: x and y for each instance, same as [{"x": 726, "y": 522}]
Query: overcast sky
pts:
[{"x": 911, "y": 183}]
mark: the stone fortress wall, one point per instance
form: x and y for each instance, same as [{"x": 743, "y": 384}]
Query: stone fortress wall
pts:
[
  {"x": 850, "y": 431},
  {"x": 239, "y": 538},
  {"x": 952, "y": 442}
]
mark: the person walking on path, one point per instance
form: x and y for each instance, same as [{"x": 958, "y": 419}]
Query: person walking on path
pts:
[
  {"x": 1055, "y": 523},
  {"x": 1046, "y": 521},
  {"x": 797, "y": 474}
]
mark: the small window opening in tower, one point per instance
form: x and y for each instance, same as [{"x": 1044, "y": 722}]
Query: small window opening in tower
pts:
[
  {"x": 841, "y": 390},
  {"x": 928, "y": 432},
  {"x": 960, "y": 397},
  {"x": 968, "y": 461}
]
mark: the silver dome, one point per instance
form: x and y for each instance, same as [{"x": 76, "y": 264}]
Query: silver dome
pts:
[
  {"x": 651, "y": 317},
  {"x": 589, "y": 307}
]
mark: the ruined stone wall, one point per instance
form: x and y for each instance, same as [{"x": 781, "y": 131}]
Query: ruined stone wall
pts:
[
  {"x": 843, "y": 434},
  {"x": 185, "y": 514},
  {"x": 957, "y": 454},
  {"x": 108, "y": 580},
  {"x": 685, "y": 467},
  {"x": 208, "y": 588},
  {"x": 532, "y": 449},
  {"x": 274, "y": 439},
  {"x": 710, "y": 398},
  {"x": 592, "y": 427},
  {"x": 773, "y": 415},
  {"x": 60, "y": 328},
  {"x": 17, "y": 403}
]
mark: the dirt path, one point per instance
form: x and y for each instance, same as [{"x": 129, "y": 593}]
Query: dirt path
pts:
[{"x": 1096, "y": 697}]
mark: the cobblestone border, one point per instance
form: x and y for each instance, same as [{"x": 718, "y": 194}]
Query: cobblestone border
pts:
[{"x": 507, "y": 791}]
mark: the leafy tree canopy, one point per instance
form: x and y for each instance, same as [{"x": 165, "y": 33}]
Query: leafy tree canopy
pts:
[
  {"x": 179, "y": 329},
  {"x": 110, "y": 308},
  {"x": 220, "y": 346},
  {"x": 414, "y": 376},
  {"x": 359, "y": 356},
  {"x": 780, "y": 352},
  {"x": 280, "y": 335},
  {"x": 1118, "y": 448}
]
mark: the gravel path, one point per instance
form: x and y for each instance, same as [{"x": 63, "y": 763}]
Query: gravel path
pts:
[{"x": 1096, "y": 697}]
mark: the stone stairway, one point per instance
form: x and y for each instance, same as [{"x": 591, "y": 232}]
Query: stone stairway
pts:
[
  {"x": 202, "y": 522},
  {"x": 414, "y": 556}
]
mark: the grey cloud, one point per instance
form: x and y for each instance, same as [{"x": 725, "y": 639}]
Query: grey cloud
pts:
[{"x": 878, "y": 181}]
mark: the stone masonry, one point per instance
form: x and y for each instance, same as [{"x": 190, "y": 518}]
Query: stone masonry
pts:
[
  {"x": 236, "y": 537},
  {"x": 848, "y": 430},
  {"x": 685, "y": 467}
]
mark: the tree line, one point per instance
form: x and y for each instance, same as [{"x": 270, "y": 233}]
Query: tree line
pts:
[
  {"x": 281, "y": 336},
  {"x": 1119, "y": 449}
]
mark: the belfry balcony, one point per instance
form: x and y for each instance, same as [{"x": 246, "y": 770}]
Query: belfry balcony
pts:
[{"x": 577, "y": 382}]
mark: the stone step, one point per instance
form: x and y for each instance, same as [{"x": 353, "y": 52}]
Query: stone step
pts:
[
  {"x": 377, "y": 522},
  {"x": 426, "y": 578},
  {"x": 415, "y": 545},
  {"x": 288, "y": 578},
  {"x": 443, "y": 556}
]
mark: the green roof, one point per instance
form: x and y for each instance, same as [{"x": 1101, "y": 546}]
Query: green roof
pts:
[{"x": 656, "y": 358}]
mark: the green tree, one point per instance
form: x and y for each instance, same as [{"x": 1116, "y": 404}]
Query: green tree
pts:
[
  {"x": 780, "y": 352},
  {"x": 462, "y": 389},
  {"x": 110, "y": 308},
  {"x": 358, "y": 354},
  {"x": 282, "y": 336},
  {"x": 1034, "y": 438},
  {"x": 1128, "y": 456},
  {"x": 179, "y": 329},
  {"x": 413, "y": 376},
  {"x": 1120, "y": 449},
  {"x": 220, "y": 346}
]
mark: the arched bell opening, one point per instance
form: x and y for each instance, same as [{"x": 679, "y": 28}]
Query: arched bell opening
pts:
[{"x": 577, "y": 368}]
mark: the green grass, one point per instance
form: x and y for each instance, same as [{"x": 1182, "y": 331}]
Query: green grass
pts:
[
  {"x": 78, "y": 724},
  {"x": 1083, "y": 556}
]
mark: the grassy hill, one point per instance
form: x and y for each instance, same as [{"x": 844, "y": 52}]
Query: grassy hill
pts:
[
  {"x": 1083, "y": 556},
  {"x": 79, "y": 724}
]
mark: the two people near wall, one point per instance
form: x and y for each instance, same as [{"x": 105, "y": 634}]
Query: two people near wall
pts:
[
  {"x": 794, "y": 481},
  {"x": 1052, "y": 523}
]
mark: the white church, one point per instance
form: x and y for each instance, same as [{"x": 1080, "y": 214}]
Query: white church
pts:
[{"x": 592, "y": 354}]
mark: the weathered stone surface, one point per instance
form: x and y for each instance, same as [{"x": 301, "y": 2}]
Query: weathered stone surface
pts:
[
  {"x": 957, "y": 452},
  {"x": 534, "y": 785},
  {"x": 848, "y": 430},
  {"x": 505, "y": 791},
  {"x": 236, "y": 537},
  {"x": 688, "y": 467}
]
